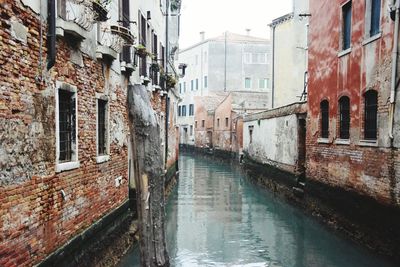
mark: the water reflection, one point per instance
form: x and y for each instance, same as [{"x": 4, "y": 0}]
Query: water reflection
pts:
[{"x": 216, "y": 218}]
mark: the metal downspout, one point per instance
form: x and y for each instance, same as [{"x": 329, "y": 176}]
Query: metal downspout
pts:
[
  {"x": 394, "y": 70},
  {"x": 273, "y": 68}
]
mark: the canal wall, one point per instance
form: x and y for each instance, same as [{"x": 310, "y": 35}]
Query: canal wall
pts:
[
  {"x": 360, "y": 218},
  {"x": 102, "y": 244}
]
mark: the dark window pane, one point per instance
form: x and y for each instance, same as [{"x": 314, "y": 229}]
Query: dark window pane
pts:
[
  {"x": 101, "y": 127},
  {"x": 375, "y": 16},
  {"x": 344, "y": 113},
  {"x": 324, "y": 119},
  {"x": 371, "y": 115},
  {"x": 346, "y": 25},
  {"x": 66, "y": 111}
]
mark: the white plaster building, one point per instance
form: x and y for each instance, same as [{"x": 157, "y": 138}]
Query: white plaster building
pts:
[{"x": 230, "y": 62}]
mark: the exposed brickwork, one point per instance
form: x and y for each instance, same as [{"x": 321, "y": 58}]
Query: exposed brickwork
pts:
[{"x": 35, "y": 218}]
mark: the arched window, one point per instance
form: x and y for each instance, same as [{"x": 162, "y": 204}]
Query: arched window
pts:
[
  {"x": 371, "y": 115},
  {"x": 344, "y": 117},
  {"x": 324, "y": 119}
]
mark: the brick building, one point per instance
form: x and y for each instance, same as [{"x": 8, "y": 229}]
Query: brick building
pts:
[
  {"x": 65, "y": 155},
  {"x": 352, "y": 143}
]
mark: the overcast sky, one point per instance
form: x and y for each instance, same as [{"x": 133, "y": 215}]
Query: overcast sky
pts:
[{"x": 217, "y": 16}]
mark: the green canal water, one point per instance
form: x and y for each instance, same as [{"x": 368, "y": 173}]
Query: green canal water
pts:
[{"x": 216, "y": 217}]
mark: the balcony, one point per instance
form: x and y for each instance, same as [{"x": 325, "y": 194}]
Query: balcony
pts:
[
  {"x": 75, "y": 17},
  {"x": 110, "y": 44}
]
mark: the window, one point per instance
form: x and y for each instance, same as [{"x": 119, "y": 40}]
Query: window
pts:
[
  {"x": 191, "y": 110},
  {"x": 184, "y": 111},
  {"x": 375, "y": 13},
  {"x": 247, "y": 83},
  {"x": 344, "y": 117},
  {"x": 180, "y": 88},
  {"x": 247, "y": 58},
  {"x": 195, "y": 124},
  {"x": 260, "y": 58},
  {"x": 191, "y": 85},
  {"x": 202, "y": 123},
  {"x": 205, "y": 81},
  {"x": 371, "y": 115},
  {"x": 67, "y": 121},
  {"x": 218, "y": 122},
  {"x": 197, "y": 84},
  {"x": 66, "y": 127},
  {"x": 184, "y": 87},
  {"x": 346, "y": 36},
  {"x": 324, "y": 119},
  {"x": 191, "y": 130},
  {"x": 263, "y": 83},
  {"x": 179, "y": 111},
  {"x": 226, "y": 122},
  {"x": 251, "y": 133},
  {"x": 102, "y": 127}
]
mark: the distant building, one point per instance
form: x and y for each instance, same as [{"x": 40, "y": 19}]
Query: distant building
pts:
[
  {"x": 289, "y": 41},
  {"x": 276, "y": 137},
  {"x": 230, "y": 62}
]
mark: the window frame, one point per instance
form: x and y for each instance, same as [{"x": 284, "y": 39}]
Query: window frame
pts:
[
  {"x": 73, "y": 163},
  {"x": 245, "y": 84},
  {"x": 346, "y": 36},
  {"x": 344, "y": 122},
  {"x": 100, "y": 158},
  {"x": 367, "y": 109},
  {"x": 324, "y": 120}
]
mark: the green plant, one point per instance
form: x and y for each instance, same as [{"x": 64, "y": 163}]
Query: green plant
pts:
[
  {"x": 170, "y": 81},
  {"x": 141, "y": 51}
]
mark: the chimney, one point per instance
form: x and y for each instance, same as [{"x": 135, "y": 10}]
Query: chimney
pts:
[
  {"x": 248, "y": 32},
  {"x": 202, "y": 36}
]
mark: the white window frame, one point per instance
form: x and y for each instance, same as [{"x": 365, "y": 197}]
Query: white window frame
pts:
[
  {"x": 74, "y": 163},
  {"x": 247, "y": 58},
  {"x": 106, "y": 157},
  {"x": 250, "y": 85}
]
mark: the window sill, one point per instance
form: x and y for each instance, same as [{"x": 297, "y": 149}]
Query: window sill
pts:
[
  {"x": 344, "y": 52},
  {"x": 369, "y": 143},
  {"x": 102, "y": 159},
  {"x": 372, "y": 38},
  {"x": 324, "y": 141},
  {"x": 67, "y": 166},
  {"x": 342, "y": 142}
]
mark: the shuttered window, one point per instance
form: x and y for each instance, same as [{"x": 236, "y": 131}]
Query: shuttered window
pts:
[
  {"x": 371, "y": 115},
  {"x": 346, "y": 11},
  {"x": 324, "y": 119},
  {"x": 344, "y": 117},
  {"x": 375, "y": 17}
]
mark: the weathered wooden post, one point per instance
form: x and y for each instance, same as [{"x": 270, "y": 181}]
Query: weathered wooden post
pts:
[{"x": 149, "y": 175}]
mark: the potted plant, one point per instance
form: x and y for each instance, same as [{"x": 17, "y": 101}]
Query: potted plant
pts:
[
  {"x": 155, "y": 67},
  {"x": 141, "y": 51},
  {"x": 170, "y": 81}
]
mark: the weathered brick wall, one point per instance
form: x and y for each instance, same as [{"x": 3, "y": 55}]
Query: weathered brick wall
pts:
[
  {"x": 352, "y": 166},
  {"x": 222, "y": 132},
  {"x": 34, "y": 217}
]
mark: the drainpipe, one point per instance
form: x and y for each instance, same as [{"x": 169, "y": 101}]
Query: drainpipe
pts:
[
  {"x": 394, "y": 69},
  {"x": 273, "y": 68},
  {"x": 51, "y": 35}
]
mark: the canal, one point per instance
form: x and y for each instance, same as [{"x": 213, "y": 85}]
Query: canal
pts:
[{"x": 216, "y": 217}]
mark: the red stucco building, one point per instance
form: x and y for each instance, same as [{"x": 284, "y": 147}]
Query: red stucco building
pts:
[{"x": 352, "y": 138}]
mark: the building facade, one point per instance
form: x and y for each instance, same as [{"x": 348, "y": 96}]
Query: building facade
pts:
[
  {"x": 230, "y": 62},
  {"x": 66, "y": 156},
  {"x": 352, "y": 135},
  {"x": 289, "y": 39}
]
